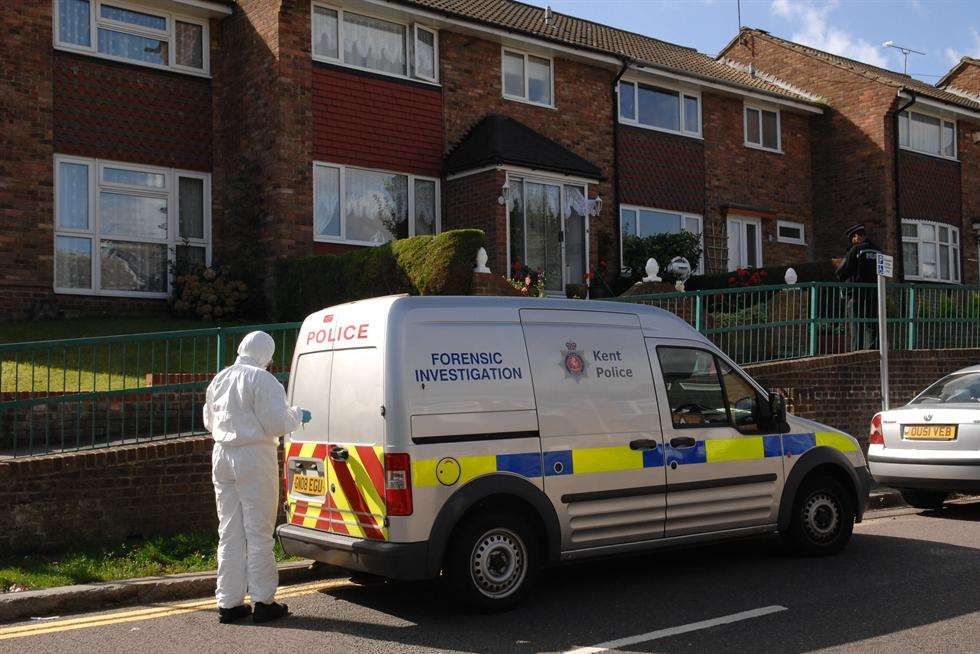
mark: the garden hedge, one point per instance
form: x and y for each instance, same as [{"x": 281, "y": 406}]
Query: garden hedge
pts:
[{"x": 421, "y": 265}]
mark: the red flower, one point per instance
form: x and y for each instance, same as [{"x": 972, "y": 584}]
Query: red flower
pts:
[
  {"x": 589, "y": 276},
  {"x": 731, "y": 280}
]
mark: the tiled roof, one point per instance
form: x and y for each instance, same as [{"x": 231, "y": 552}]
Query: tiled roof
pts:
[
  {"x": 499, "y": 140},
  {"x": 579, "y": 33},
  {"x": 881, "y": 75},
  {"x": 964, "y": 61}
]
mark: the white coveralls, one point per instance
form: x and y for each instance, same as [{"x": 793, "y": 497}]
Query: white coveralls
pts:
[{"x": 246, "y": 412}]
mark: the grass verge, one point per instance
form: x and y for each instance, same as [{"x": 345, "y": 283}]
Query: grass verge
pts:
[{"x": 159, "y": 555}]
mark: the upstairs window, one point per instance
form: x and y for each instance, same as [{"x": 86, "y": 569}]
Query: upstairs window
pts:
[
  {"x": 669, "y": 110},
  {"x": 762, "y": 129},
  {"x": 528, "y": 78},
  {"x": 927, "y": 133},
  {"x": 930, "y": 251},
  {"x": 375, "y": 44},
  {"x": 124, "y": 32}
]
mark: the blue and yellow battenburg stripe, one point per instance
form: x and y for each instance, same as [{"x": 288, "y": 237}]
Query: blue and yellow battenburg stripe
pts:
[{"x": 590, "y": 460}]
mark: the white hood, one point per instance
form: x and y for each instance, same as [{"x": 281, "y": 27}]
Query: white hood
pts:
[{"x": 256, "y": 349}]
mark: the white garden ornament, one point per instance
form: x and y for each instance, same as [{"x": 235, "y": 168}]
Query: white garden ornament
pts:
[
  {"x": 791, "y": 276},
  {"x": 653, "y": 270},
  {"x": 481, "y": 261}
]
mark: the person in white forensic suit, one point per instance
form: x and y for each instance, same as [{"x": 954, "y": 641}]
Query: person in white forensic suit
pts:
[{"x": 246, "y": 412}]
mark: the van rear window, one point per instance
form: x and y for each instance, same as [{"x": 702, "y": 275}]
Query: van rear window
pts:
[{"x": 310, "y": 389}]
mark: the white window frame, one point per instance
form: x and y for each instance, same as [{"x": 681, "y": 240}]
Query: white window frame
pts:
[
  {"x": 944, "y": 119},
  {"x": 792, "y": 224},
  {"x": 416, "y": 28},
  {"x": 169, "y": 35},
  {"x": 745, "y": 127},
  {"x": 411, "y": 30},
  {"x": 658, "y": 85},
  {"x": 958, "y": 247},
  {"x": 516, "y": 98},
  {"x": 343, "y": 202},
  {"x": 95, "y": 185},
  {"x": 744, "y": 253},
  {"x": 698, "y": 269}
]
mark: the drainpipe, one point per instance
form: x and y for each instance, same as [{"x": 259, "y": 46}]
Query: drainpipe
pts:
[
  {"x": 615, "y": 117},
  {"x": 899, "y": 258}
]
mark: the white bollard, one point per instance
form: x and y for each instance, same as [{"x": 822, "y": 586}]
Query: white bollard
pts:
[
  {"x": 481, "y": 261},
  {"x": 653, "y": 268}
]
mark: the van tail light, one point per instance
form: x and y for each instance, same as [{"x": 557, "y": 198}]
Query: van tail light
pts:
[
  {"x": 398, "y": 484},
  {"x": 876, "y": 437}
]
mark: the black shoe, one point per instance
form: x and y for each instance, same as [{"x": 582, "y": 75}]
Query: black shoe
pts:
[
  {"x": 269, "y": 612},
  {"x": 234, "y": 614}
]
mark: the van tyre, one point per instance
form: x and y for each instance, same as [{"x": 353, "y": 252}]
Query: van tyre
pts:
[
  {"x": 922, "y": 499},
  {"x": 822, "y": 519},
  {"x": 492, "y": 562}
]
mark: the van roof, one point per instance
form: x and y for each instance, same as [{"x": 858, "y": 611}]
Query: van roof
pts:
[{"x": 652, "y": 319}]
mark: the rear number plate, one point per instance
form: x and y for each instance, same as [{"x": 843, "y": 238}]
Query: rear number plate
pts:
[
  {"x": 930, "y": 432},
  {"x": 309, "y": 485}
]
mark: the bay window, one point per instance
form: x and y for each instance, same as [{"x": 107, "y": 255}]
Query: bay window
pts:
[
  {"x": 665, "y": 109},
  {"x": 371, "y": 207},
  {"x": 927, "y": 133},
  {"x": 643, "y": 221},
  {"x": 134, "y": 33},
  {"x": 762, "y": 129},
  {"x": 118, "y": 227},
  {"x": 930, "y": 251},
  {"x": 375, "y": 44}
]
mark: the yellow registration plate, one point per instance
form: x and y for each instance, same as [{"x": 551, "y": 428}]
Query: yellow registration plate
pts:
[
  {"x": 309, "y": 485},
  {"x": 930, "y": 432}
]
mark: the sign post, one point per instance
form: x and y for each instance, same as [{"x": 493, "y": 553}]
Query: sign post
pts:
[{"x": 886, "y": 267}]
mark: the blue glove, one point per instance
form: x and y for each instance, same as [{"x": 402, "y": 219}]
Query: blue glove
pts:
[{"x": 305, "y": 416}]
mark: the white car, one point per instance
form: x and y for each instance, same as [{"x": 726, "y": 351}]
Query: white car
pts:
[{"x": 930, "y": 447}]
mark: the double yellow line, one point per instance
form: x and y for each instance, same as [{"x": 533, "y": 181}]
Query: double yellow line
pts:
[{"x": 162, "y": 611}]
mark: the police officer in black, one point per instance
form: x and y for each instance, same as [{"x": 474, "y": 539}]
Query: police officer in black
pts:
[{"x": 860, "y": 266}]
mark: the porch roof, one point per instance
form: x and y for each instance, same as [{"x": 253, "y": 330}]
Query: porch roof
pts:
[{"x": 499, "y": 140}]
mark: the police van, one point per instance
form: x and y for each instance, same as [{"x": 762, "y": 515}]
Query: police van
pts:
[{"x": 482, "y": 438}]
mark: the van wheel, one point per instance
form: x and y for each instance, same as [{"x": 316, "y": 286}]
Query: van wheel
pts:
[
  {"x": 492, "y": 562},
  {"x": 822, "y": 519},
  {"x": 920, "y": 499}
]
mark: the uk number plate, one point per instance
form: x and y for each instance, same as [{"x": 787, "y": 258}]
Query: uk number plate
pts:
[
  {"x": 930, "y": 432},
  {"x": 309, "y": 485}
]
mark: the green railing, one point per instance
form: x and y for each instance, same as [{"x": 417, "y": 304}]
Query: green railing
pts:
[
  {"x": 112, "y": 390},
  {"x": 770, "y": 323}
]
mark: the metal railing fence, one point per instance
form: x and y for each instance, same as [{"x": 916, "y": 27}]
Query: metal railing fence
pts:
[
  {"x": 95, "y": 392},
  {"x": 770, "y": 323}
]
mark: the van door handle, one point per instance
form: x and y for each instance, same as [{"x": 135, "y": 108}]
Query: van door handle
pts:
[
  {"x": 338, "y": 453},
  {"x": 644, "y": 444},
  {"x": 680, "y": 442}
]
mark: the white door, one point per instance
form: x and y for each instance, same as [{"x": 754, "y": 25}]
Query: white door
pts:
[{"x": 744, "y": 242}]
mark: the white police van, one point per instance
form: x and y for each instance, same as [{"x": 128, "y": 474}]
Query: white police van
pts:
[{"x": 481, "y": 438}]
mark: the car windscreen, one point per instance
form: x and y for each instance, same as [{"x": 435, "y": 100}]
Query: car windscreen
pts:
[{"x": 955, "y": 389}]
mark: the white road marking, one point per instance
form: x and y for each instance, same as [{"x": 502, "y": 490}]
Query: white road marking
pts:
[{"x": 673, "y": 631}]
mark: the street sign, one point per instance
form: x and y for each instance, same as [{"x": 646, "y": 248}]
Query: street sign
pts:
[{"x": 886, "y": 265}]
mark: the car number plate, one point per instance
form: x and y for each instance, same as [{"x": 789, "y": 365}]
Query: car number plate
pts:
[
  {"x": 930, "y": 432},
  {"x": 308, "y": 485}
]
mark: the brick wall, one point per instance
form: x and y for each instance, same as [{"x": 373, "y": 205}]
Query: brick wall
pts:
[
  {"x": 930, "y": 188},
  {"x": 581, "y": 120},
  {"x": 844, "y": 390},
  {"x": 369, "y": 120},
  {"x": 968, "y": 147},
  {"x": 661, "y": 170},
  {"x": 967, "y": 78},
  {"x": 471, "y": 202}
]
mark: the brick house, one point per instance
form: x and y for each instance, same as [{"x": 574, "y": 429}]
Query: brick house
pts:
[
  {"x": 893, "y": 152},
  {"x": 131, "y": 126}
]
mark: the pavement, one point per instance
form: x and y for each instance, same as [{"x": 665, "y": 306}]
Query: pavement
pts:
[{"x": 906, "y": 582}]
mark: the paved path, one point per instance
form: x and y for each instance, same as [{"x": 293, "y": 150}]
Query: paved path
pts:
[{"x": 907, "y": 582}]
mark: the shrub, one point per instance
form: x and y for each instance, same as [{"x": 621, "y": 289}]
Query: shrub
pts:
[
  {"x": 209, "y": 294},
  {"x": 662, "y": 247},
  {"x": 811, "y": 271},
  {"x": 421, "y": 265}
]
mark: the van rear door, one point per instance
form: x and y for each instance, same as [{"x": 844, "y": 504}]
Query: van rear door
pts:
[{"x": 346, "y": 439}]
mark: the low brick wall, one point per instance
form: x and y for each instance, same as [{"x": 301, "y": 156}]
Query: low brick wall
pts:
[{"x": 158, "y": 488}]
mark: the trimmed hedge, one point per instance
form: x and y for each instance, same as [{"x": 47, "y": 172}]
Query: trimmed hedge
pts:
[{"x": 421, "y": 265}]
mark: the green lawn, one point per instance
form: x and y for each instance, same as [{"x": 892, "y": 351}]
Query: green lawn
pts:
[
  {"x": 106, "y": 366},
  {"x": 146, "y": 558}
]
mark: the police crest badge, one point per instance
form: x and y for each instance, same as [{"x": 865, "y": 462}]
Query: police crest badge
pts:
[{"x": 575, "y": 365}]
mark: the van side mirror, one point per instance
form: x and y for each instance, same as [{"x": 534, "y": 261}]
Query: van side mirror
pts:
[{"x": 777, "y": 412}]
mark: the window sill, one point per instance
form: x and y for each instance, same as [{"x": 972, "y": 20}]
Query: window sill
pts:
[
  {"x": 126, "y": 294},
  {"x": 762, "y": 148},
  {"x": 790, "y": 241},
  {"x": 372, "y": 71},
  {"x": 948, "y": 282},
  {"x": 341, "y": 241},
  {"x": 929, "y": 154},
  {"x": 529, "y": 102},
  {"x": 664, "y": 130},
  {"x": 122, "y": 60}
]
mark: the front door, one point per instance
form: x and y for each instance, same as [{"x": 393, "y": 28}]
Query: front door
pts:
[
  {"x": 722, "y": 472},
  {"x": 599, "y": 425},
  {"x": 744, "y": 242},
  {"x": 548, "y": 228}
]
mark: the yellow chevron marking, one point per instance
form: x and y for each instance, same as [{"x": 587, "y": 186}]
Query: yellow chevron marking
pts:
[
  {"x": 363, "y": 482},
  {"x": 306, "y": 449},
  {"x": 347, "y": 515}
]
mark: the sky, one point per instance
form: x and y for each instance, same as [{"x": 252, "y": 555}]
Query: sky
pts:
[{"x": 944, "y": 29}]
